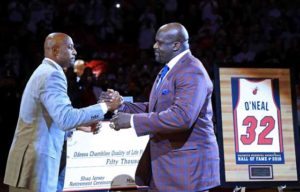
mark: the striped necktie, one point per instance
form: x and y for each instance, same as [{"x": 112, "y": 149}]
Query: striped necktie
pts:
[{"x": 162, "y": 74}]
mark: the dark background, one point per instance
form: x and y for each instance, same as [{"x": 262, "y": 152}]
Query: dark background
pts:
[{"x": 239, "y": 33}]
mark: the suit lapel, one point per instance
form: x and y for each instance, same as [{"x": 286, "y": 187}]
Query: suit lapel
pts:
[
  {"x": 179, "y": 65},
  {"x": 153, "y": 95},
  {"x": 155, "y": 92}
]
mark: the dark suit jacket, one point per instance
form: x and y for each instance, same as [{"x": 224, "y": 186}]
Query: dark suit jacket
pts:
[{"x": 182, "y": 154}]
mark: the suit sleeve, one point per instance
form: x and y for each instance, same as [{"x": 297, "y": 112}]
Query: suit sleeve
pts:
[
  {"x": 128, "y": 107},
  {"x": 191, "y": 91},
  {"x": 56, "y": 101}
]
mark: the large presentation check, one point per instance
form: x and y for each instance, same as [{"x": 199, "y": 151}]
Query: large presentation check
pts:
[{"x": 107, "y": 160}]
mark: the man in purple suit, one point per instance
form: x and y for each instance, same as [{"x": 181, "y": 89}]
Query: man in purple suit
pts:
[{"x": 182, "y": 154}]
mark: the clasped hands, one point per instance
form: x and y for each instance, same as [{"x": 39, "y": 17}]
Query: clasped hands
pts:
[{"x": 113, "y": 101}]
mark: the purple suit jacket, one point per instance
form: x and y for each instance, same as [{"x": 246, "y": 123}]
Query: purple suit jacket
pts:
[{"x": 182, "y": 154}]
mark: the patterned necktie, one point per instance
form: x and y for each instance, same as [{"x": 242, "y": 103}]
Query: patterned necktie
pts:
[{"x": 162, "y": 74}]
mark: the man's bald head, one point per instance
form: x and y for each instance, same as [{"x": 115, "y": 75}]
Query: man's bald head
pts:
[
  {"x": 171, "y": 39},
  {"x": 60, "y": 48},
  {"x": 79, "y": 67},
  {"x": 175, "y": 32},
  {"x": 54, "y": 40}
]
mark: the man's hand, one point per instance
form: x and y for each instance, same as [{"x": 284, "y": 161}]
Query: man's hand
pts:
[
  {"x": 106, "y": 96},
  {"x": 120, "y": 121},
  {"x": 94, "y": 128},
  {"x": 112, "y": 99}
]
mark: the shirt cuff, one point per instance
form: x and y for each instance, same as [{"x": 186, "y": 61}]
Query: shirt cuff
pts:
[
  {"x": 104, "y": 107},
  {"x": 131, "y": 122}
]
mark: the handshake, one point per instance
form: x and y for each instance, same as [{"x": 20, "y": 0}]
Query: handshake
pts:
[{"x": 114, "y": 100}]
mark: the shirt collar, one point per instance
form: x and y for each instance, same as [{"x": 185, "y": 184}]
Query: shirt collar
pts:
[{"x": 173, "y": 61}]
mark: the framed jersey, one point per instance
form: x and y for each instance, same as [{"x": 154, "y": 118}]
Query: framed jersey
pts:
[{"x": 256, "y": 126}]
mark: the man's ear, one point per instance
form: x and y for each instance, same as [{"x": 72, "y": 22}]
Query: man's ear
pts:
[
  {"x": 176, "y": 46},
  {"x": 55, "y": 51}
]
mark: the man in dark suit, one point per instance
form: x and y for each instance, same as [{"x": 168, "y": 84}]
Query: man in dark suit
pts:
[{"x": 182, "y": 154}]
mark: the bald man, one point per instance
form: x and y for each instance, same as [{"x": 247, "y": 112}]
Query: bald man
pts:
[
  {"x": 79, "y": 68},
  {"x": 182, "y": 154},
  {"x": 45, "y": 115}
]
